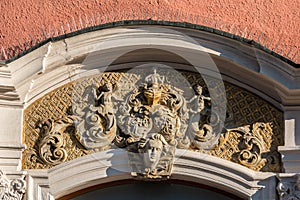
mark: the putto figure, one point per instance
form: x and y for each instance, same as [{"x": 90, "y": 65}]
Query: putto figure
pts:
[
  {"x": 200, "y": 131},
  {"x": 95, "y": 122},
  {"x": 198, "y": 101}
]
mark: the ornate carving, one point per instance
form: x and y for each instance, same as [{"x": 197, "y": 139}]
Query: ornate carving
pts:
[
  {"x": 153, "y": 119},
  {"x": 250, "y": 146},
  {"x": 152, "y": 157},
  {"x": 289, "y": 189},
  {"x": 95, "y": 122},
  {"x": 51, "y": 148},
  {"x": 200, "y": 131},
  {"x": 142, "y": 112},
  {"x": 11, "y": 189}
]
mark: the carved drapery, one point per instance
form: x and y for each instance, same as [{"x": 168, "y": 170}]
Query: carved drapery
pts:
[
  {"x": 150, "y": 116},
  {"x": 11, "y": 189}
]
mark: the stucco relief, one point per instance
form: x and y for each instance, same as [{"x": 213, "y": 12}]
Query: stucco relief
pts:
[
  {"x": 11, "y": 189},
  {"x": 251, "y": 146},
  {"x": 150, "y": 116},
  {"x": 289, "y": 188}
]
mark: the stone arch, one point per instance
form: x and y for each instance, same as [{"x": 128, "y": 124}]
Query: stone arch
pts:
[
  {"x": 63, "y": 59},
  {"x": 192, "y": 167}
]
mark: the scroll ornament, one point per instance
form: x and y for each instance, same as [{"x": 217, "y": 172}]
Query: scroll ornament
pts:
[
  {"x": 11, "y": 189},
  {"x": 51, "y": 147},
  {"x": 253, "y": 147}
]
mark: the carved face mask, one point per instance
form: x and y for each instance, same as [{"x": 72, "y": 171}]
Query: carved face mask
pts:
[{"x": 154, "y": 152}]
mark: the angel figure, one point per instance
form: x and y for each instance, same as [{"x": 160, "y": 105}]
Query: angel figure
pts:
[
  {"x": 104, "y": 102},
  {"x": 104, "y": 98},
  {"x": 199, "y": 100}
]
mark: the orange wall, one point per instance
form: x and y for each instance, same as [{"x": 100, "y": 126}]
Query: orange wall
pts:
[{"x": 273, "y": 23}]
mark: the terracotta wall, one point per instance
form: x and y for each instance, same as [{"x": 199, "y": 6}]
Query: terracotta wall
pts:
[{"x": 273, "y": 23}]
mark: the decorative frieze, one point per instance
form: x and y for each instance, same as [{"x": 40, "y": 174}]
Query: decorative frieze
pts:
[{"x": 151, "y": 116}]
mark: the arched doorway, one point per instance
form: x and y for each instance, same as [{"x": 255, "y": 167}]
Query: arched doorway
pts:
[{"x": 152, "y": 190}]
